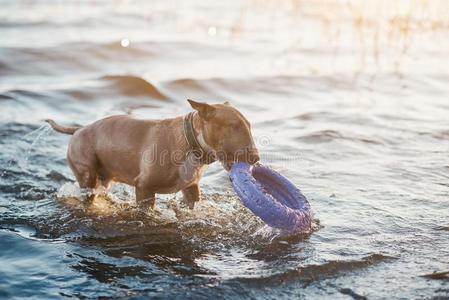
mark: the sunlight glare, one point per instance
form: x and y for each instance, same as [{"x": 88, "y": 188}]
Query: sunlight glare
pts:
[
  {"x": 212, "y": 31},
  {"x": 124, "y": 43}
]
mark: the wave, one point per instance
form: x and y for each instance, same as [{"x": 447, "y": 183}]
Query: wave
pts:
[
  {"x": 16, "y": 24},
  {"x": 321, "y": 136},
  {"x": 24, "y": 93},
  {"x": 4, "y": 67},
  {"x": 134, "y": 86},
  {"x": 316, "y": 272},
  {"x": 76, "y": 57},
  {"x": 107, "y": 87},
  {"x": 266, "y": 88},
  {"x": 86, "y": 22},
  {"x": 188, "y": 83},
  {"x": 6, "y": 97},
  {"x": 17, "y": 130},
  {"x": 315, "y": 116},
  {"x": 328, "y": 135},
  {"x": 437, "y": 134},
  {"x": 443, "y": 228}
]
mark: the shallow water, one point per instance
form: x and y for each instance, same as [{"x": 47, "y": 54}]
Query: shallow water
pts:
[{"x": 348, "y": 100}]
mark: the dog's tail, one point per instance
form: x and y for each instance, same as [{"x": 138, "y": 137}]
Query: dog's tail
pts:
[{"x": 62, "y": 129}]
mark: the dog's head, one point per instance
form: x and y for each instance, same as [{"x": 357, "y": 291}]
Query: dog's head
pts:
[{"x": 227, "y": 132}]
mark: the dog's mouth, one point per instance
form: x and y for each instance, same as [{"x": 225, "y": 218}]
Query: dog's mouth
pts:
[
  {"x": 228, "y": 160},
  {"x": 227, "y": 164}
]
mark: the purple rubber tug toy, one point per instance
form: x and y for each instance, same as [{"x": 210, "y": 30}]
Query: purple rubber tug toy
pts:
[{"x": 271, "y": 196}]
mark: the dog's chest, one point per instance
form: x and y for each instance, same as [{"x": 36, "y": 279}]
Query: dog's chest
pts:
[{"x": 188, "y": 174}]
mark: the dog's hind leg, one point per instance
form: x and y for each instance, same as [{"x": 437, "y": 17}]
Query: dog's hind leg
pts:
[
  {"x": 85, "y": 170},
  {"x": 103, "y": 178}
]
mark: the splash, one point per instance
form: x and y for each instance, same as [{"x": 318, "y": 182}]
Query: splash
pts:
[
  {"x": 22, "y": 161},
  {"x": 218, "y": 219},
  {"x": 43, "y": 131}
]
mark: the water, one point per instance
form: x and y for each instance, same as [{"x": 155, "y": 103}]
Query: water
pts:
[{"x": 348, "y": 99}]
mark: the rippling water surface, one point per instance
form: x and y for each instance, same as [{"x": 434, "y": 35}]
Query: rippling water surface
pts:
[{"x": 349, "y": 99}]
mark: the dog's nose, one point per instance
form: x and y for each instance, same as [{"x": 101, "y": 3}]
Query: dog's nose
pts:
[{"x": 253, "y": 156}]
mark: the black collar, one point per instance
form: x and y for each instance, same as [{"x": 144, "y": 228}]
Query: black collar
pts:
[{"x": 195, "y": 147}]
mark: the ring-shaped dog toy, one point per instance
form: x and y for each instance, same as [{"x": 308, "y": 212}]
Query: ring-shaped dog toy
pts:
[{"x": 271, "y": 196}]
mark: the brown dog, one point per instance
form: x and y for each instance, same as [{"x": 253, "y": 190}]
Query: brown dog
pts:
[{"x": 159, "y": 156}]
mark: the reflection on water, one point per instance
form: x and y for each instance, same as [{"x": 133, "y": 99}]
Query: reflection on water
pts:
[{"x": 348, "y": 99}]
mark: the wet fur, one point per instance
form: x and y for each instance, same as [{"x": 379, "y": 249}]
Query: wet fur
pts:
[{"x": 153, "y": 155}]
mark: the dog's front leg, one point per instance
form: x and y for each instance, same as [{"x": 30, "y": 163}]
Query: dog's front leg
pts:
[
  {"x": 145, "y": 192},
  {"x": 145, "y": 197},
  {"x": 191, "y": 195}
]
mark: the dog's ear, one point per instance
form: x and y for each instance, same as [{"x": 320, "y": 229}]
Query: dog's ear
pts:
[{"x": 205, "y": 110}]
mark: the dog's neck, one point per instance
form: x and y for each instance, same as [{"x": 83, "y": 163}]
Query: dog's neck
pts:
[
  {"x": 194, "y": 134},
  {"x": 198, "y": 131}
]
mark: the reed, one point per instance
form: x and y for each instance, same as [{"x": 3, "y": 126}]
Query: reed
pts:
[{"x": 381, "y": 35}]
